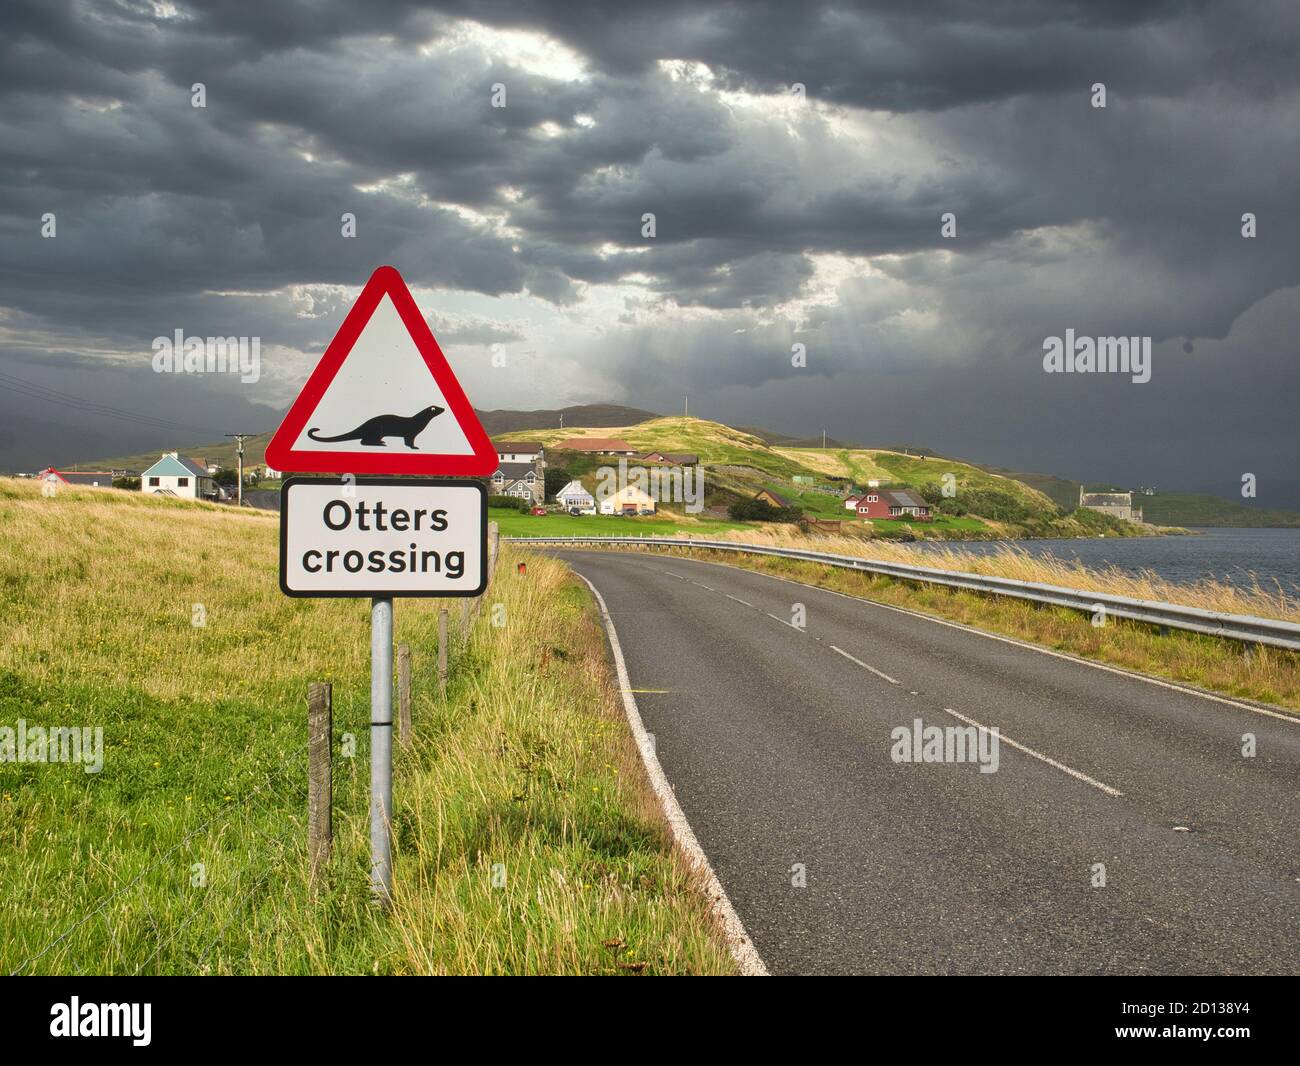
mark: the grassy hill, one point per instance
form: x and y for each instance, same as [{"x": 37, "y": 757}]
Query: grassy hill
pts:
[
  {"x": 739, "y": 463},
  {"x": 495, "y": 422},
  {"x": 185, "y": 853}
]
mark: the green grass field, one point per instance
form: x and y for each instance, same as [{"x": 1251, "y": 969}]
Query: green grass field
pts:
[
  {"x": 525, "y": 838},
  {"x": 514, "y": 524}
]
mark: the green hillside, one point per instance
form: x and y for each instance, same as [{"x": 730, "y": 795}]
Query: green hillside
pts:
[
  {"x": 221, "y": 454},
  {"x": 1198, "y": 509}
]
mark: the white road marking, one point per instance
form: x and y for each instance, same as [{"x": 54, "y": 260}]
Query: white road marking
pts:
[
  {"x": 1040, "y": 756},
  {"x": 778, "y": 618},
  {"x": 737, "y": 599},
  {"x": 1293, "y": 719},
  {"x": 742, "y": 947},
  {"x": 700, "y": 584},
  {"x": 865, "y": 666}
]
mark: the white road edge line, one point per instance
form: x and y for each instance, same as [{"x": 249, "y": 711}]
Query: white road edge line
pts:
[
  {"x": 865, "y": 666},
  {"x": 742, "y": 947},
  {"x": 1019, "y": 644},
  {"x": 1040, "y": 756}
]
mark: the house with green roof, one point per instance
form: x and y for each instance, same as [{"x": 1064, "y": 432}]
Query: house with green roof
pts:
[{"x": 175, "y": 475}]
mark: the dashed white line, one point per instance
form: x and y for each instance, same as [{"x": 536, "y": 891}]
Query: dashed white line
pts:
[
  {"x": 865, "y": 666},
  {"x": 737, "y": 599},
  {"x": 1078, "y": 774},
  {"x": 778, "y": 618}
]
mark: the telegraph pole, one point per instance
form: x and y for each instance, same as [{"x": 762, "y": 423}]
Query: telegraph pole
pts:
[{"x": 239, "y": 441}]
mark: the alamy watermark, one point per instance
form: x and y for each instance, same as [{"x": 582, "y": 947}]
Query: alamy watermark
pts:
[
  {"x": 921, "y": 743},
  {"x": 41, "y": 744},
  {"x": 179, "y": 354},
  {"x": 660, "y": 484},
  {"x": 1098, "y": 355}
]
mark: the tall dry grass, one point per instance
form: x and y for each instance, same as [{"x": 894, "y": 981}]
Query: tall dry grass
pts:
[
  {"x": 527, "y": 765},
  {"x": 1011, "y": 561}
]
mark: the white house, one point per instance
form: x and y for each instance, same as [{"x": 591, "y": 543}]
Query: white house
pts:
[
  {"x": 175, "y": 475},
  {"x": 630, "y": 499},
  {"x": 520, "y": 451},
  {"x": 271, "y": 474},
  {"x": 851, "y": 502},
  {"x": 574, "y": 495}
]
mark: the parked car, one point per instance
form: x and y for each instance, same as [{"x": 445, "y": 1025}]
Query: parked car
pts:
[{"x": 537, "y": 510}]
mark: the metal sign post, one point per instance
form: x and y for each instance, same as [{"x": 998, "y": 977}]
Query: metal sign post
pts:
[{"x": 381, "y": 748}]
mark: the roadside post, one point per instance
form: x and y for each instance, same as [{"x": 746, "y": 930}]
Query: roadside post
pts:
[{"x": 422, "y": 530}]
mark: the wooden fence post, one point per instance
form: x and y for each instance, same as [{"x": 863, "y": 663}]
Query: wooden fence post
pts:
[
  {"x": 442, "y": 653},
  {"x": 320, "y": 778},
  {"x": 404, "y": 694}
]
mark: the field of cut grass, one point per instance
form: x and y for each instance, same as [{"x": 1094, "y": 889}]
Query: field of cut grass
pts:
[
  {"x": 1267, "y": 674},
  {"x": 525, "y": 838}
]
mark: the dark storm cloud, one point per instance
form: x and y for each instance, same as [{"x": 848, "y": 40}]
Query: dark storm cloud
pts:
[{"x": 226, "y": 220}]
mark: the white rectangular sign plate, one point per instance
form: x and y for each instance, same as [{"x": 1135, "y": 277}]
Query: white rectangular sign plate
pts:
[{"x": 383, "y": 537}]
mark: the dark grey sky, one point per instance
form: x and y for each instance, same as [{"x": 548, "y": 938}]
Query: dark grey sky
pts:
[{"x": 778, "y": 222}]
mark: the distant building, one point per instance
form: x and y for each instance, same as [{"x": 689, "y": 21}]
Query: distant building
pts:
[
  {"x": 175, "y": 475},
  {"x": 102, "y": 479},
  {"x": 521, "y": 480},
  {"x": 775, "y": 499},
  {"x": 851, "y": 501},
  {"x": 520, "y": 451},
  {"x": 596, "y": 446},
  {"x": 628, "y": 500},
  {"x": 893, "y": 503},
  {"x": 1118, "y": 504},
  {"x": 574, "y": 495},
  {"x": 670, "y": 458}
]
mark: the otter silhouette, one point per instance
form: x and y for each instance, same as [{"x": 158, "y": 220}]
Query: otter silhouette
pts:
[{"x": 372, "y": 431}]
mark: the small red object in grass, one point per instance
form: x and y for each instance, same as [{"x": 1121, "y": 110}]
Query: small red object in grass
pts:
[{"x": 523, "y": 568}]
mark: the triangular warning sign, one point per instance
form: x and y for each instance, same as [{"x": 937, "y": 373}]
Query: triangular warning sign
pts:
[{"x": 383, "y": 399}]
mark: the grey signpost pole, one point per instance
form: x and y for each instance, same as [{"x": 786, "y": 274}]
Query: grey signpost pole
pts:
[{"x": 381, "y": 748}]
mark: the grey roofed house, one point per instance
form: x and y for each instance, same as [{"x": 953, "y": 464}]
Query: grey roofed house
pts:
[
  {"x": 515, "y": 471},
  {"x": 903, "y": 498}
]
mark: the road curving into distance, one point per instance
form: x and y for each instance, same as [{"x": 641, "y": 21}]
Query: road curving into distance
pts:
[{"x": 777, "y": 740}]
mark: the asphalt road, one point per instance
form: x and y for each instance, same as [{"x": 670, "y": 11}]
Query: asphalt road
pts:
[{"x": 777, "y": 742}]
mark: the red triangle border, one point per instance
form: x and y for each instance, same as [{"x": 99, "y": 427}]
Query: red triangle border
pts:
[{"x": 280, "y": 454}]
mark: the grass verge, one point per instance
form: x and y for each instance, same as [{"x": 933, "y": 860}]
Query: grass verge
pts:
[{"x": 526, "y": 840}]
